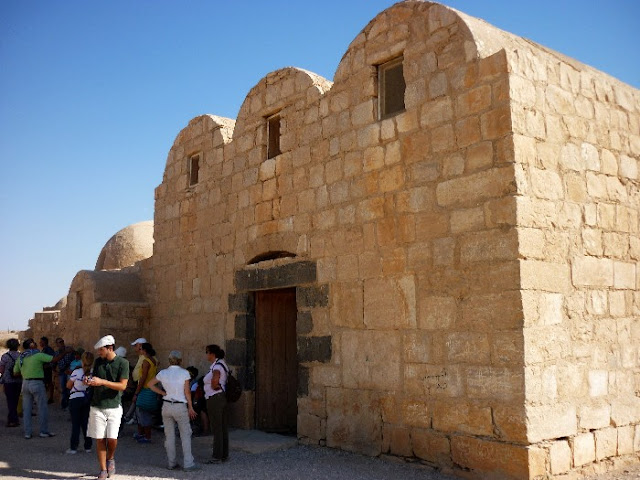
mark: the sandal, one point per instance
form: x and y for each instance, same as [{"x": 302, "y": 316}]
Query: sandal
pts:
[
  {"x": 103, "y": 475},
  {"x": 111, "y": 467}
]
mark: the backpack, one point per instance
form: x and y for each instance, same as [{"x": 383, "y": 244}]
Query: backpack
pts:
[
  {"x": 233, "y": 389},
  {"x": 8, "y": 370}
]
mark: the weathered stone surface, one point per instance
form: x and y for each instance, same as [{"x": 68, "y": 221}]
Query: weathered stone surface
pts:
[
  {"x": 462, "y": 417},
  {"x": 310, "y": 426},
  {"x": 389, "y": 303},
  {"x": 508, "y": 461},
  {"x": 592, "y": 416},
  {"x": 551, "y": 421},
  {"x": 560, "y": 457},
  {"x": 431, "y": 446},
  {"x": 493, "y": 183},
  {"x": 236, "y": 352},
  {"x": 303, "y": 381},
  {"x": 314, "y": 349},
  {"x": 606, "y": 443},
  {"x": 276, "y": 277},
  {"x": 347, "y": 307},
  {"x": 314, "y": 296},
  {"x": 304, "y": 323},
  {"x": 589, "y": 271},
  {"x": 245, "y": 326},
  {"x": 584, "y": 449},
  {"x": 396, "y": 440},
  {"x": 372, "y": 359},
  {"x": 239, "y": 302},
  {"x": 354, "y": 424},
  {"x": 625, "y": 440},
  {"x": 435, "y": 313}
]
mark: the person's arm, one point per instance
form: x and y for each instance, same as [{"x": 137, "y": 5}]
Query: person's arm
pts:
[
  {"x": 43, "y": 358},
  {"x": 215, "y": 380},
  {"x": 187, "y": 394},
  {"x": 16, "y": 367},
  {"x": 70, "y": 383},
  {"x": 152, "y": 385},
  {"x": 120, "y": 385},
  {"x": 144, "y": 371},
  {"x": 58, "y": 357}
]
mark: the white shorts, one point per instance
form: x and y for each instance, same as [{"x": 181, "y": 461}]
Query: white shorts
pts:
[{"x": 104, "y": 422}]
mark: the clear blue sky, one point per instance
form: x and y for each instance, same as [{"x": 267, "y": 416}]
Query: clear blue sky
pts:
[{"x": 92, "y": 95}]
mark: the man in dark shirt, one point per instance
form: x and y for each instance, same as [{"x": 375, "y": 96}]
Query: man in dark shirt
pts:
[
  {"x": 48, "y": 367},
  {"x": 64, "y": 357},
  {"x": 109, "y": 380}
]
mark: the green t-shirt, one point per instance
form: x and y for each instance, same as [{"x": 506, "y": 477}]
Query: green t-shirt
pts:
[
  {"x": 31, "y": 366},
  {"x": 113, "y": 371}
]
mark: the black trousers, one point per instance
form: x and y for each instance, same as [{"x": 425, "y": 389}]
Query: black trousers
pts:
[
  {"x": 218, "y": 420},
  {"x": 79, "y": 409}
]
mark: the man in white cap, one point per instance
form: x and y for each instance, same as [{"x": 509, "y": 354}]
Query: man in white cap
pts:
[{"x": 110, "y": 376}]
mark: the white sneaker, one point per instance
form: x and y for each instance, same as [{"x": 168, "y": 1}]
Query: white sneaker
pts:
[
  {"x": 71, "y": 451},
  {"x": 88, "y": 450}
]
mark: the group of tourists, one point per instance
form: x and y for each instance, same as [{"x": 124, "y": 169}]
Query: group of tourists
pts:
[{"x": 93, "y": 388}]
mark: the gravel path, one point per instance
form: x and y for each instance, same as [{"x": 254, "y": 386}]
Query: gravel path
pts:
[{"x": 44, "y": 459}]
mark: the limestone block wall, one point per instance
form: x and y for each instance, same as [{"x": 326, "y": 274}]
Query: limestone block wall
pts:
[
  {"x": 189, "y": 267},
  {"x": 44, "y": 324},
  {"x": 410, "y": 222},
  {"x": 101, "y": 303},
  {"x": 577, "y": 147},
  {"x": 466, "y": 271}
]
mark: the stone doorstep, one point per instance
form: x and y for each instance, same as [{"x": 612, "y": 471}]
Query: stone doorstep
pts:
[{"x": 254, "y": 441}]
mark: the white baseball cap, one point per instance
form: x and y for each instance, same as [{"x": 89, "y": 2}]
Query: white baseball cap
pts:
[
  {"x": 104, "y": 341},
  {"x": 121, "y": 352},
  {"x": 139, "y": 340}
]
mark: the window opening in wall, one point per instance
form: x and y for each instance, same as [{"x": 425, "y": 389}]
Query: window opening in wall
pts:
[
  {"x": 273, "y": 134},
  {"x": 78, "y": 306},
  {"x": 194, "y": 169},
  {"x": 391, "y": 87}
]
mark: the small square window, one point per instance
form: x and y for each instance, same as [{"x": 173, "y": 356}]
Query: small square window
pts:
[
  {"x": 273, "y": 134},
  {"x": 391, "y": 87},
  {"x": 194, "y": 169}
]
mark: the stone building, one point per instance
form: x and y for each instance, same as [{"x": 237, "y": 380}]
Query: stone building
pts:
[
  {"x": 113, "y": 298},
  {"x": 434, "y": 256}
]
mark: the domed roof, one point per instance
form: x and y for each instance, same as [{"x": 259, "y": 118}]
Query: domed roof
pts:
[{"x": 128, "y": 246}]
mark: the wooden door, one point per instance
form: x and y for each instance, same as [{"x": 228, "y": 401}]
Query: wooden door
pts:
[{"x": 276, "y": 361}]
